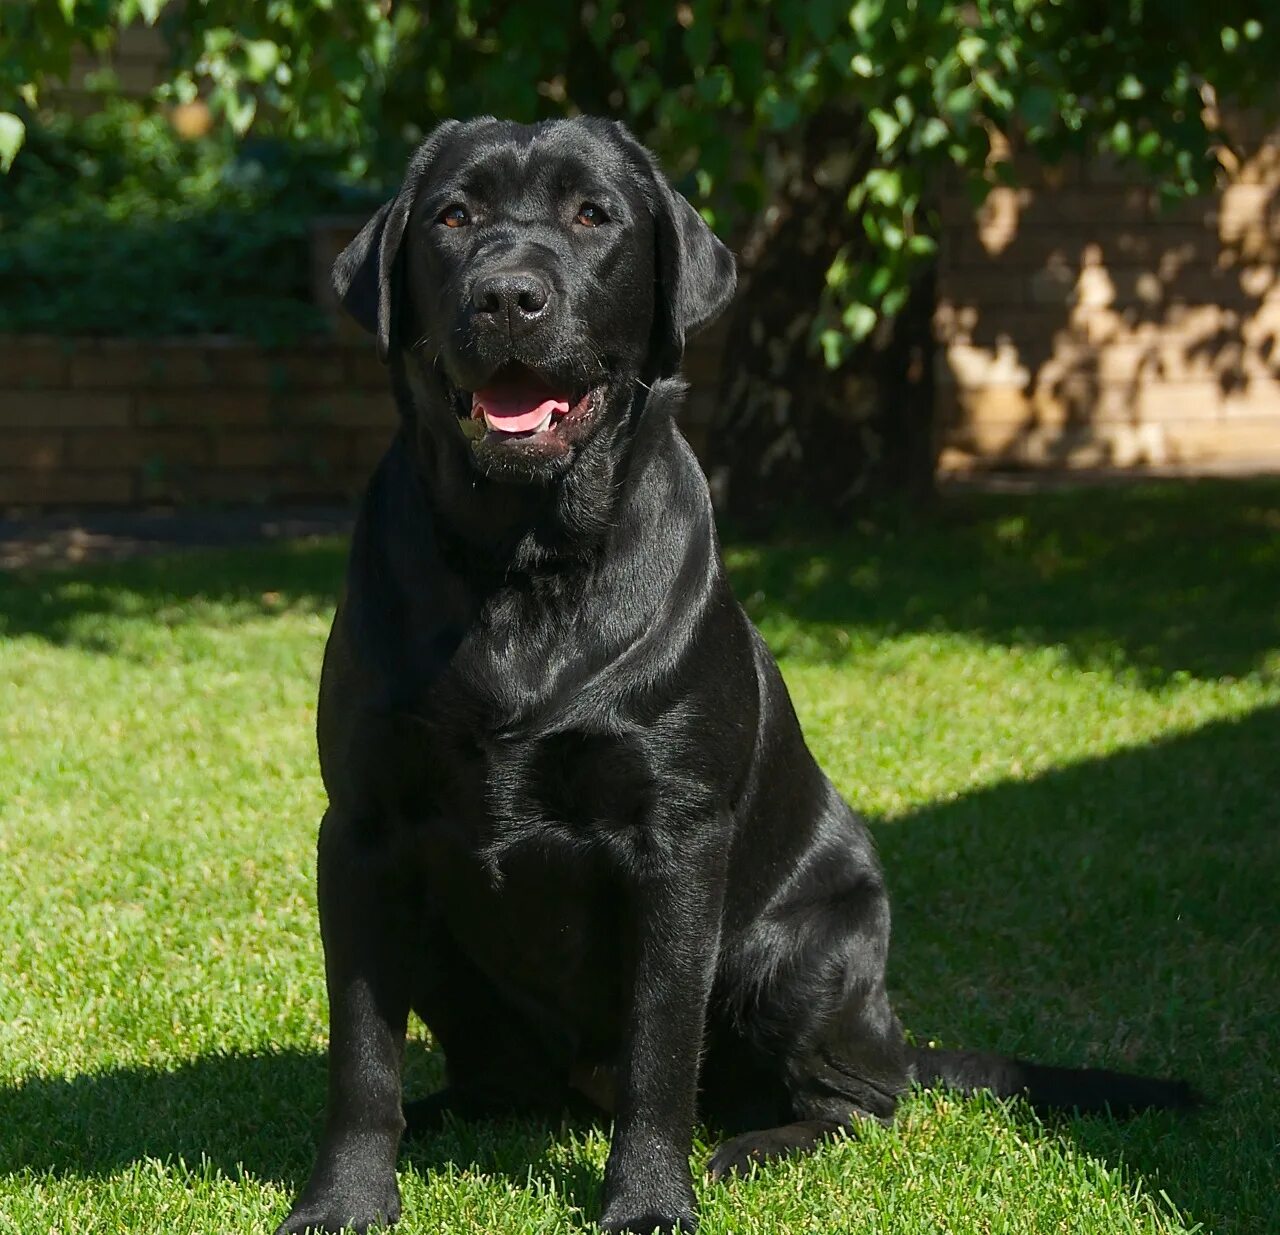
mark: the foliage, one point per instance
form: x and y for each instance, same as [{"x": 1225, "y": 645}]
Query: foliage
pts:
[
  {"x": 724, "y": 89},
  {"x": 113, "y": 225}
]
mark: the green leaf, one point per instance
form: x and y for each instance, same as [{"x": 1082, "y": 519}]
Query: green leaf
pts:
[
  {"x": 716, "y": 86},
  {"x": 835, "y": 346},
  {"x": 932, "y": 133},
  {"x": 780, "y": 112},
  {"x": 893, "y": 301},
  {"x": 746, "y": 59},
  {"x": 884, "y": 185},
  {"x": 838, "y": 271},
  {"x": 262, "y": 56},
  {"x": 971, "y": 49},
  {"x": 1149, "y": 145},
  {"x": 880, "y": 281},
  {"x": 959, "y": 104},
  {"x": 864, "y": 15},
  {"x": 887, "y": 128},
  {"x": 824, "y": 17},
  {"x": 12, "y": 134},
  {"x": 859, "y": 320},
  {"x": 986, "y": 81},
  {"x": 1037, "y": 106},
  {"x": 239, "y": 109}
]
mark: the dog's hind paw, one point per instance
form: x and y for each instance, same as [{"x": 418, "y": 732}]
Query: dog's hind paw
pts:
[{"x": 742, "y": 1154}]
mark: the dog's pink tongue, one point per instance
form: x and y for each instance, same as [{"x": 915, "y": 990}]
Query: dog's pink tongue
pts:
[{"x": 515, "y": 408}]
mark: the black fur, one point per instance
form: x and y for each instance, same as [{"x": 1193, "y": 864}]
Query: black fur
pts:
[{"x": 573, "y": 823}]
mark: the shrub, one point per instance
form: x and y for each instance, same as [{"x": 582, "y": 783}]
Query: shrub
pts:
[{"x": 114, "y": 225}]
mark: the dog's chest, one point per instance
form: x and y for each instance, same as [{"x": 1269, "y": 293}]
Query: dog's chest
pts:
[
  {"x": 525, "y": 845},
  {"x": 545, "y": 925},
  {"x": 522, "y": 845},
  {"x": 496, "y": 793}
]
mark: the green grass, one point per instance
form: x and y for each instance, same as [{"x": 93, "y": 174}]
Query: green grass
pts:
[{"x": 1062, "y": 713}]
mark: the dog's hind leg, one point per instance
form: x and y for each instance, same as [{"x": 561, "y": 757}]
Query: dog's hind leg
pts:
[
  {"x": 825, "y": 1045},
  {"x": 855, "y": 1071}
]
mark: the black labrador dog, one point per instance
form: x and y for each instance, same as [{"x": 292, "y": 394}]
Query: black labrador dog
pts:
[{"x": 573, "y": 823}]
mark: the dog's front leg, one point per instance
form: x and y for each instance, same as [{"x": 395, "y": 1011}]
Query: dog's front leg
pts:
[
  {"x": 353, "y": 1182},
  {"x": 674, "y": 920}
]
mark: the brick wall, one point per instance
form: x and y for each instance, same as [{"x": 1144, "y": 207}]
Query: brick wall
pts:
[
  {"x": 1081, "y": 326},
  {"x": 126, "y": 422}
]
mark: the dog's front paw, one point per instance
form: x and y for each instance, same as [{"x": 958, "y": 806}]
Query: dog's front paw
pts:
[
  {"x": 645, "y": 1213},
  {"x": 358, "y": 1208},
  {"x": 659, "y": 1219},
  {"x": 648, "y": 1188}
]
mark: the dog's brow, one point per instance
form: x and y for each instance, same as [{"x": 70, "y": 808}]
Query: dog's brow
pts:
[{"x": 512, "y": 202}]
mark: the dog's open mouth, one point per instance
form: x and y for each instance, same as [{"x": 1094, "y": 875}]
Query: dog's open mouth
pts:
[
  {"x": 517, "y": 407},
  {"x": 518, "y": 404}
]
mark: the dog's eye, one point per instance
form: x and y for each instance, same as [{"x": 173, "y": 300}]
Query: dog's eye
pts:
[
  {"x": 455, "y": 216},
  {"x": 590, "y": 215}
]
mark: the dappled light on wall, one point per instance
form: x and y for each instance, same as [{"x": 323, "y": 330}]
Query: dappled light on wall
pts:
[{"x": 1081, "y": 326}]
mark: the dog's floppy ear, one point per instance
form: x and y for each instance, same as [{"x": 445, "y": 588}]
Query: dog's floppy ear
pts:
[
  {"x": 365, "y": 274},
  {"x": 696, "y": 272}
]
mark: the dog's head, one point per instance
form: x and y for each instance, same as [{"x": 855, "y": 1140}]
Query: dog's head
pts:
[{"x": 528, "y": 277}]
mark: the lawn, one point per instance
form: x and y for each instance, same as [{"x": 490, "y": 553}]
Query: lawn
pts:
[{"x": 1061, "y": 712}]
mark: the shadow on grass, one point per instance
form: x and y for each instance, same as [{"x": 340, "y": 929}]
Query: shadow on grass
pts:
[
  {"x": 85, "y": 608},
  {"x": 256, "y": 1113},
  {"x": 1120, "y": 911},
  {"x": 1162, "y": 578}
]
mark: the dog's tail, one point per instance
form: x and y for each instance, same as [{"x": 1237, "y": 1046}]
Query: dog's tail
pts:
[{"x": 1087, "y": 1090}]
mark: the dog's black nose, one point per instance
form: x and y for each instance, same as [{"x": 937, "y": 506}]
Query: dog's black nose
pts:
[{"x": 517, "y": 295}]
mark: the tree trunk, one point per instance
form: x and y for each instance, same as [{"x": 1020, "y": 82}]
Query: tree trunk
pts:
[{"x": 790, "y": 433}]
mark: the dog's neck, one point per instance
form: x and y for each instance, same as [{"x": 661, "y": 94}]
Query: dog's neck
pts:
[
  {"x": 568, "y": 562},
  {"x": 491, "y": 530}
]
